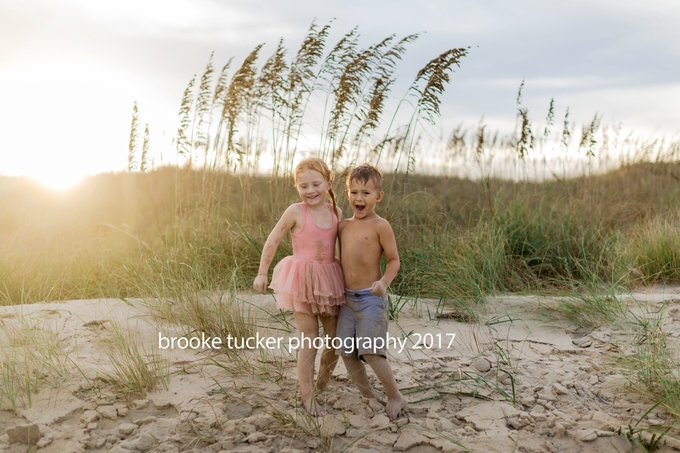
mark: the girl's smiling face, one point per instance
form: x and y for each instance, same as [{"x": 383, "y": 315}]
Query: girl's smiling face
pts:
[{"x": 312, "y": 187}]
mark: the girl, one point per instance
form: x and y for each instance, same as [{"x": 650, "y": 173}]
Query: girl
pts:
[{"x": 310, "y": 283}]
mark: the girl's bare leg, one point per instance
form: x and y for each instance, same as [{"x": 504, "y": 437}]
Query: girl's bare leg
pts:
[
  {"x": 308, "y": 327},
  {"x": 328, "y": 357}
]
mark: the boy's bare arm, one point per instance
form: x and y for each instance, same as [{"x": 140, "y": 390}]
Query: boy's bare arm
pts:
[{"x": 389, "y": 246}]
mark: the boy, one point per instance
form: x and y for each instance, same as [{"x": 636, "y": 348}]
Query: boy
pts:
[{"x": 363, "y": 240}]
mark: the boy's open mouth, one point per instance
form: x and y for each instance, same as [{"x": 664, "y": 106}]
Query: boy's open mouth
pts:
[{"x": 359, "y": 208}]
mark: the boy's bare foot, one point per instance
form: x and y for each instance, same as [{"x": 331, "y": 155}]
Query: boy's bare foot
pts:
[
  {"x": 368, "y": 392},
  {"x": 380, "y": 399},
  {"x": 313, "y": 409},
  {"x": 393, "y": 407},
  {"x": 320, "y": 386}
]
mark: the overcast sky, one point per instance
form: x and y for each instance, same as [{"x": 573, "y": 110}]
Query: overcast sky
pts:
[{"x": 70, "y": 70}]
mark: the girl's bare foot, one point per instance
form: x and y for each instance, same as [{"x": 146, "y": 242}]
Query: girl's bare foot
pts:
[
  {"x": 323, "y": 381},
  {"x": 313, "y": 409},
  {"x": 394, "y": 406}
]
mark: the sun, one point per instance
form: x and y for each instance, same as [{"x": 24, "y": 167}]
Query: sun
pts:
[
  {"x": 57, "y": 180},
  {"x": 69, "y": 125}
]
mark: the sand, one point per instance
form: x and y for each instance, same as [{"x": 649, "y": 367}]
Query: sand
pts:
[{"x": 569, "y": 393}]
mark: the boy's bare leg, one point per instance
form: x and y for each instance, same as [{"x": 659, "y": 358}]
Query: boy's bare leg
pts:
[
  {"x": 395, "y": 400},
  {"x": 357, "y": 371},
  {"x": 328, "y": 357},
  {"x": 309, "y": 327}
]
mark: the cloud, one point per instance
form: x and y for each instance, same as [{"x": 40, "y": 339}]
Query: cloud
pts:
[
  {"x": 555, "y": 84},
  {"x": 616, "y": 57},
  {"x": 200, "y": 20}
]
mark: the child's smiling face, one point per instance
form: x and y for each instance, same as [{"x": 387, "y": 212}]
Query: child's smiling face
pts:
[
  {"x": 363, "y": 196},
  {"x": 312, "y": 187}
]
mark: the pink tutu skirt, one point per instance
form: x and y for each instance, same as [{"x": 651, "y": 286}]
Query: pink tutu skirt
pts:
[{"x": 308, "y": 287}]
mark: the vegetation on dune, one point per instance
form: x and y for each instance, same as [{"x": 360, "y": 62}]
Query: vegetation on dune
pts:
[
  {"x": 150, "y": 230},
  {"x": 125, "y": 235},
  {"x": 187, "y": 237}
]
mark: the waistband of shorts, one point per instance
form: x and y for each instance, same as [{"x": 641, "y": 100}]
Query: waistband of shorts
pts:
[{"x": 358, "y": 292}]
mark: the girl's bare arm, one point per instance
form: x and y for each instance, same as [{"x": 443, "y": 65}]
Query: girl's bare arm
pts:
[{"x": 286, "y": 223}]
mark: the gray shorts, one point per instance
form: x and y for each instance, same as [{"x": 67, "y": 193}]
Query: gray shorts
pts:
[{"x": 362, "y": 324}]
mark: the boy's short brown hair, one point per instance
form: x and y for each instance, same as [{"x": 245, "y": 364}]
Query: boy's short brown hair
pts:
[{"x": 364, "y": 173}]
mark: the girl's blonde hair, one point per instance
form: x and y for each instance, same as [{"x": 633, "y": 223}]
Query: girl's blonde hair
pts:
[{"x": 316, "y": 164}]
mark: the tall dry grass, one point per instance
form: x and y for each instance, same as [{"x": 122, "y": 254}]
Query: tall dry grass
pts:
[
  {"x": 540, "y": 209},
  {"x": 562, "y": 210},
  {"x": 95, "y": 242}
]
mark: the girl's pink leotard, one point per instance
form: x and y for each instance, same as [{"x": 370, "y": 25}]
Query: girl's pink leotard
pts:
[{"x": 311, "y": 280}]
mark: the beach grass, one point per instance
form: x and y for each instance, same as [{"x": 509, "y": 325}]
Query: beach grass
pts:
[
  {"x": 31, "y": 358},
  {"x": 89, "y": 243},
  {"x": 475, "y": 214},
  {"x": 564, "y": 210},
  {"x": 135, "y": 368}
]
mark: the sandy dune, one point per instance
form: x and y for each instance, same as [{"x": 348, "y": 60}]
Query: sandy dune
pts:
[{"x": 568, "y": 394}]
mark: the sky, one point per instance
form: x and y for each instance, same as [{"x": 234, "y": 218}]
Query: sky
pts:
[{"x": 71, "y": 70}]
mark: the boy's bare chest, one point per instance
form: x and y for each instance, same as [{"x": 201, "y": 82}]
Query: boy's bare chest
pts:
[{"x": 360, "y": 243}]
